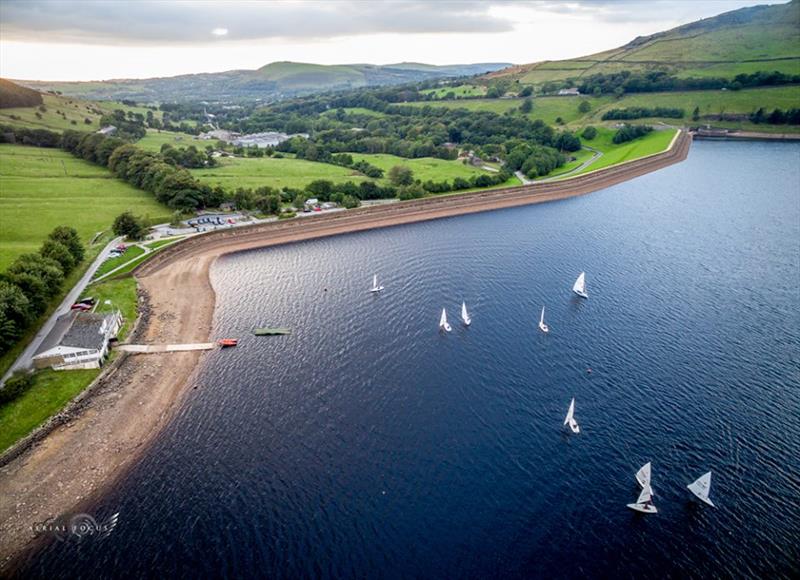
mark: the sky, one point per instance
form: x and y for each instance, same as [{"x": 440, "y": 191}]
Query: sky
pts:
[{"x": 83, "y": 40}]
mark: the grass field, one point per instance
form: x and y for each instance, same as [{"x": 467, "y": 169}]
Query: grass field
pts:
[
  {"x": 653, "y": 142},
  {"x": 424, "y": 168},
  {"x": 75, "y": 112},
  {"x": 255, "y": 172},
  {"x": 44, "y": 188},
  {"x": 155, "y": 139},
  {"x": 548, "y": 109},
  {"x": 51, "y": 391},
  {"x": 459, "y": 91}
]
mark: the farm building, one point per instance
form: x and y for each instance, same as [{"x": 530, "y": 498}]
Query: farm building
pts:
[
  {"x": 79, "y": 340},
  {"x": 573, "y": 92}
]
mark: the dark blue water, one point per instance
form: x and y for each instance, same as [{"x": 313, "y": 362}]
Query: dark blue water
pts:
[{"x": 368, "y": 445}]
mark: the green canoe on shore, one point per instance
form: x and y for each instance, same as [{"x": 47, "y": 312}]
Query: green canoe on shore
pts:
[{"x": 271, "y": 331}]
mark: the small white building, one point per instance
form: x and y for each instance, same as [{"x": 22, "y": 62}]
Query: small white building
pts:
[
  {"x": 108, "y": 130},
  {"x": 571, "y": 92},
  {"x": 312, "y": 203},
  {"x": 79, "y": 340}
]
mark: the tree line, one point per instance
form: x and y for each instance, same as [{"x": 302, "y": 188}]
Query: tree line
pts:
[
  {"x": 643, "y": 112},
  {"x": 776, "y": 116},
  {"x": 33, "y": 280},
  {"x": 660, "y": 81}
]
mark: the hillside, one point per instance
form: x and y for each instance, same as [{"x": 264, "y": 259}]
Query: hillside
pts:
[
  {"x": 759, "y": 38},
  {"x": 13, "y": 95},
  {"x": 270, "y": 82}
]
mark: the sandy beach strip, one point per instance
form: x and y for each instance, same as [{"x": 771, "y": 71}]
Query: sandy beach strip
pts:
[{"x": 71, "y": 468}]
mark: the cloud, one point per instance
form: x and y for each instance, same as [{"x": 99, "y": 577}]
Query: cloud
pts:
[{"x": 128, "y": 22}]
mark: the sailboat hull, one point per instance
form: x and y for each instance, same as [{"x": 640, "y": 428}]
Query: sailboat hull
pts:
[
  {"x": 543, "y": 327},
  {"x": 581, "y": 294},
  {"x": 374, "y": 290},
  {"x": 445, "y": 327},
  {"x": 643, "y": 508}
]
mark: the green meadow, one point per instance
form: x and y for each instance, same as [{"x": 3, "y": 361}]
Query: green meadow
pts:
[
  {"x": 460, "y": 91},
  {"x": 252, "y": 172},
  {"x": 653, "y": 142},
  {"x": 155, "y": 139},
  {"x": 424, "y": 168},
  {"x": 44, "y": 188}
]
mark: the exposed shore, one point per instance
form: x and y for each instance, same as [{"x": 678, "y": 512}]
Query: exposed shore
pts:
[{"x": 72, "y": 466}]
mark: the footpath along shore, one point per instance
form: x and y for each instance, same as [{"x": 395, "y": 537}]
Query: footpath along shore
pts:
[{"x": 67, "y": 469}]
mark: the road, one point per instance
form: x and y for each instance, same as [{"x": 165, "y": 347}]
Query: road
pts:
[{"x": 24, "y": 361}]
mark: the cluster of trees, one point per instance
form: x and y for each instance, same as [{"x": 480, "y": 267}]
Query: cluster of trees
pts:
[
  {"x": 776, "y": 117},
  {"x": 631, "y": 132},
  {"x": 534, "y": 160},
  {"x": 32, "y": 280},
  {"x": 131, "y": 226},
  {"x": 189, "y": 157},
  {"x": 129, "y": 125},
  {"x": 642, "y": 112},
  {"x": 657, "y": 81}
]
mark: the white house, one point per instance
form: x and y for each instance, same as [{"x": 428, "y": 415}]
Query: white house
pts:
[
  {"x": 572, "y": 92},
  {"x": 79, "y": 340}
]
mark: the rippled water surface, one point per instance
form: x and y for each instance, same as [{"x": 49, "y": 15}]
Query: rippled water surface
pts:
[{"x": 368, "y": 445}]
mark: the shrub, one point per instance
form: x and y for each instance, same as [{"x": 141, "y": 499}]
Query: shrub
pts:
[
  {"x": 15, "y": 386},
  {"x": 589, "y": 133}
]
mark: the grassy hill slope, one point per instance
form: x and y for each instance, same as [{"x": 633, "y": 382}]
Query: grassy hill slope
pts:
[
  {"x": 740, "y": 41},
  {"x": 14, "y": 95}
]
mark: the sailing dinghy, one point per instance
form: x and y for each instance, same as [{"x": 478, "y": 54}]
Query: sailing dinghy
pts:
[
  {"x": 465, "y": 315},
  {"x": 644, "y": 503},
  {"x": 580, "y": 286},
  {"x": 375, "y": 287},
  {"x": 542, "y": 326},
  {"x": 570, "y": 420},
  {"x": 443, "y": 325},
  {"x": 701, "y": 488}
]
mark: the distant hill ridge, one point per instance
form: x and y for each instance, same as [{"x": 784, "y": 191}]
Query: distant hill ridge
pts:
[
  {"x": 272, "y": 81},
  {"x": 747, "y": 40}
]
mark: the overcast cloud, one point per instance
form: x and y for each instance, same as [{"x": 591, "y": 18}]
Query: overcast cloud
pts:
[
  {"x": 192, "y": 21},
  {"x": 102, "y": 39}
]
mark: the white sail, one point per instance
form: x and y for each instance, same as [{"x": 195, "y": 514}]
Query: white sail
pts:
[
  {"x": 465, "y": 315},
  {"x": 643, "y": 475},
  {"x": 542, "y": 326},
  {"x": 443, "y": 325},
  {"x": 580, "y": 286},
  {"x": 646, "y": 495},
  {"x": 702, "y": 487},
  {"x": 570, "y": 419},
  {"x": 375, "y": 287}
]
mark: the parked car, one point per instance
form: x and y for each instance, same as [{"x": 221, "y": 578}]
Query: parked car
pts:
[
  {"x": 80, "y": 306},
  {"x": 121, "y": 247},
  {"x": 88, "y": 300}
]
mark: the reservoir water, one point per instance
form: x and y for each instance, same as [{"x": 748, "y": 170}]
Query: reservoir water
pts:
[{"x": 368, "y": 445}]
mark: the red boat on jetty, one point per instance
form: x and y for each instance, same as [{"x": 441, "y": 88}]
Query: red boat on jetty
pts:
[{"x": 226, "y": 342}]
